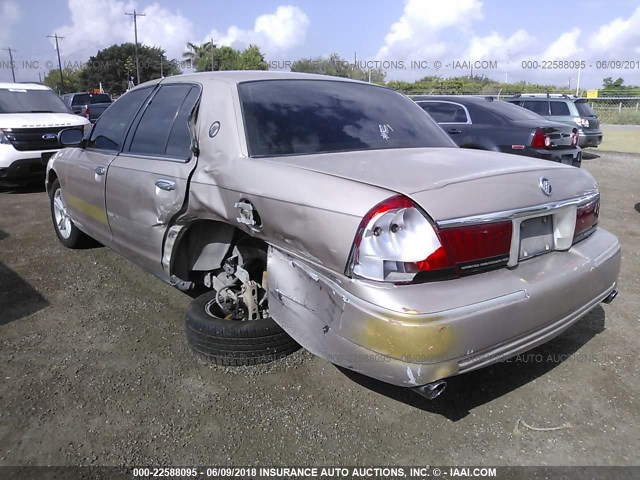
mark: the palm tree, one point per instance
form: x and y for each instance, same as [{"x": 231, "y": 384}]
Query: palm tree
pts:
[{"x": 195, "y": 52}]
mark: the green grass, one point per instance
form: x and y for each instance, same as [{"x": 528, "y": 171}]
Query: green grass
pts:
[{"x": 620, "y": 140}]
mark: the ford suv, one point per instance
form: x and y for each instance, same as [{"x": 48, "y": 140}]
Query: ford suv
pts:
[
  {"x": 31, "y": 116},
  {"x": 572, "y": 110}
]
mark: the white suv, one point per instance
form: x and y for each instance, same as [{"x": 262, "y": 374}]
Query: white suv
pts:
[{"x": 31, "y": 116}]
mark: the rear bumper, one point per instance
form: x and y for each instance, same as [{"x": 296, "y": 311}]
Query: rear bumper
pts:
[
  {"x": 568, "y": 156},
  {"x": 589, "y": 139},
  {"x": 414, "y": 334}
]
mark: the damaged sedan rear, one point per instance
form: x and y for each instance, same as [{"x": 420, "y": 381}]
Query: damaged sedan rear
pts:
[{"x": 335, "y": 215}]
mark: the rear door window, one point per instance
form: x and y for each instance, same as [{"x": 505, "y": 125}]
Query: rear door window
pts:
[
  {"x": 541, "y": 107},
  {"x": 163, "y": 129},
  {"x": 445, "y": 112},
  {"x": 560, "y": 109}
]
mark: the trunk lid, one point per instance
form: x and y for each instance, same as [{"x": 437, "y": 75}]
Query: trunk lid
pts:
[{"x": 452, "y": 182}]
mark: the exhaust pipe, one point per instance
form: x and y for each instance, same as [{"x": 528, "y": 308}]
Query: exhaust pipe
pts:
[
  {"x": 611, "y": 297},
  {"x": 431, "y": 390}
]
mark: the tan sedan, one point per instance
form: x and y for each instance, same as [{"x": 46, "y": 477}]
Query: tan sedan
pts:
[{"x": 335, "y": 215}]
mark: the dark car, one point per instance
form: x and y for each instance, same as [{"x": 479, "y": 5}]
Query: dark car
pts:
[
  {"x": 574, "y": 111},
  {"x": 89, "y": 105},
  {"x": 485, "y": 123}
]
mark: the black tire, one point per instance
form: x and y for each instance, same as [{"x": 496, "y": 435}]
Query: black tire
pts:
[
  {"x": 234, "y": 342},
  {"x": 75, "y": 238}
]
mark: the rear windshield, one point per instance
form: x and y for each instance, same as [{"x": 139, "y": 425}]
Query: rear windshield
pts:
[
  {"x": 292, "y": 117},
  {"x": 19, "y": 100},
  {"x": 510, "y": 111},
  {"x": 584, "y": 109},
  {"x": 88, "y": 98}
]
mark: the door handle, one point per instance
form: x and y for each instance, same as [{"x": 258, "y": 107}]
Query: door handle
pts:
[
  {"x": 100, "y": 170},
  {"x": 454, "y": 131},
  {"x": 166, "y": 185}
]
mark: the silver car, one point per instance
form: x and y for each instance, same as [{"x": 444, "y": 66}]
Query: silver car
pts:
[{"x": 336, "y": 215}]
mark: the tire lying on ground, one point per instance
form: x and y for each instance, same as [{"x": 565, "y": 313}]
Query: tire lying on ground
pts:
[{"x": 234, "y": 342}]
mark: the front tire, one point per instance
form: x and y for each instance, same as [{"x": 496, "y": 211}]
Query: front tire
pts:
[
  {"x": 234, "y": 342},
  {"x": 68, "y": 234}
]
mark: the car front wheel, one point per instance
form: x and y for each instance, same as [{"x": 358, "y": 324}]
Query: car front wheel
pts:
[{"x": 68, "y": 234}]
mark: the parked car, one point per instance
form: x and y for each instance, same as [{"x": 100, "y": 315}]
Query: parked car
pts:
[
  {"x": 389, "y": 250},
  {"x": 89, "y": 105},
  {"x": 574, "y": 111},
  {"x": 31, "y": 116},
  {"x": 484, "y": 123}
]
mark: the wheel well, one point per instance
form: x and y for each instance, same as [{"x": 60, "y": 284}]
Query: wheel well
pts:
[
  {"x": 51, "y": 177},
  {"x": 202, "y": 247}
]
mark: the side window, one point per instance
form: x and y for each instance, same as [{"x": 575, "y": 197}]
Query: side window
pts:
[
  {"x": 445, "y": 112},
  {"x": 109, "y": 132},
  {"x": 560, "y": 108},
  {"x": 539, "y": 107},
  {"x": 163, "y": 128}
]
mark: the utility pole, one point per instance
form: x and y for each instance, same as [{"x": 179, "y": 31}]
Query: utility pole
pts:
[
  {"x": 135, "y": 16},
  {"x": 55, "y": 35},
  {"x": 161, "y": 74},
  {"x": 212, "y": 47},
  {"x": 13, "y": 73}
]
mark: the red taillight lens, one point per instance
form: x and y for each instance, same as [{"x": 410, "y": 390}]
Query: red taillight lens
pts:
[
  {"x": 85, "y": 111},
  {"x": 540, "y": 140},
  {"x": 574, "y": 137},
  {"x": 396, "y": 242},
  {"x": 470, "y": 244},
  {"x": 586, "y": 219}
]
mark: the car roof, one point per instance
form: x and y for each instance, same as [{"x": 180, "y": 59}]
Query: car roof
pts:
[
  {"x": 470, "y": 99},
  {"x": 24, "y": 86},
  {"x": 239, "y": 76}
]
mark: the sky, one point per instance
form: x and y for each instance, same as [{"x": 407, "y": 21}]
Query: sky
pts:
[{"x": 412, "y": 39}]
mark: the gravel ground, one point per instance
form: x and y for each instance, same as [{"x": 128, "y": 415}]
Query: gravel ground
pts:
[{"x": 95, "y": 370}]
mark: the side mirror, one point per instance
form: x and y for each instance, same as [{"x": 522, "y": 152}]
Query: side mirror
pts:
[{"x": 71, "y": 137}]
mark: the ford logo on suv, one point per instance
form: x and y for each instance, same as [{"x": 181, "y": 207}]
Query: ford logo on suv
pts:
[{"x": 49, "y": 136}]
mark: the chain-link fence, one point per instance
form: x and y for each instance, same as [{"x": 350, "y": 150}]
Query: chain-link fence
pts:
[{"x": 617, "y": 110}]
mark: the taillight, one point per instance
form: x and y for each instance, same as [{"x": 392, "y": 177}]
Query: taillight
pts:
[
  {"x": 396, "y": 242},
  {"x": 574, "y": 137},
  {"x": 85, "y": 111},
  {"x": 586, "y": 219},
  {"x": 540, "y": 140},
  {"x": 478, "y": 247}
]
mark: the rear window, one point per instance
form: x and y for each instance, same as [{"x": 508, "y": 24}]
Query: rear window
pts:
[
  {"x": 88, "y": 98},
  {"x": 584, "y": 109},
  {"x": 293, "y": 117},
  {"x": 20, "y": 100},
  {"x": 508, "y": 110}
]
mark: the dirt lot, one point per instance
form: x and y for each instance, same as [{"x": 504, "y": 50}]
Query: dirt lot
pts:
[{"x": 95, "y": 369}]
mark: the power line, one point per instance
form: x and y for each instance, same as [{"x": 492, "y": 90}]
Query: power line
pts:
[
  {"x": 13, "y": 73},
  {"x": 135, "y": 16},
  {"x": 55, "y": 35}
]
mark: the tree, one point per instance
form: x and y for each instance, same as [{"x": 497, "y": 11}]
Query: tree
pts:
[
  {"x": 336, "y": 66},
  {"x": 195, "y": 52},
  {"x": 71, "y": 77},
  {"x": 227, "y": 58},
  {"x": 115, "y": 65}
]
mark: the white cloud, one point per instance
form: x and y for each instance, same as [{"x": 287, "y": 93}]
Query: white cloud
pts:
[
  {"x": 10, "y": 14},
  {"x": 415, "y": 34},
  {"x": 87, "y": 33},
  {"x": 496, "y": 47},
  {"x": 273, "y": 32},
  {"x": 619, "y": 37},
  {"x": 564, "y": 47}
]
